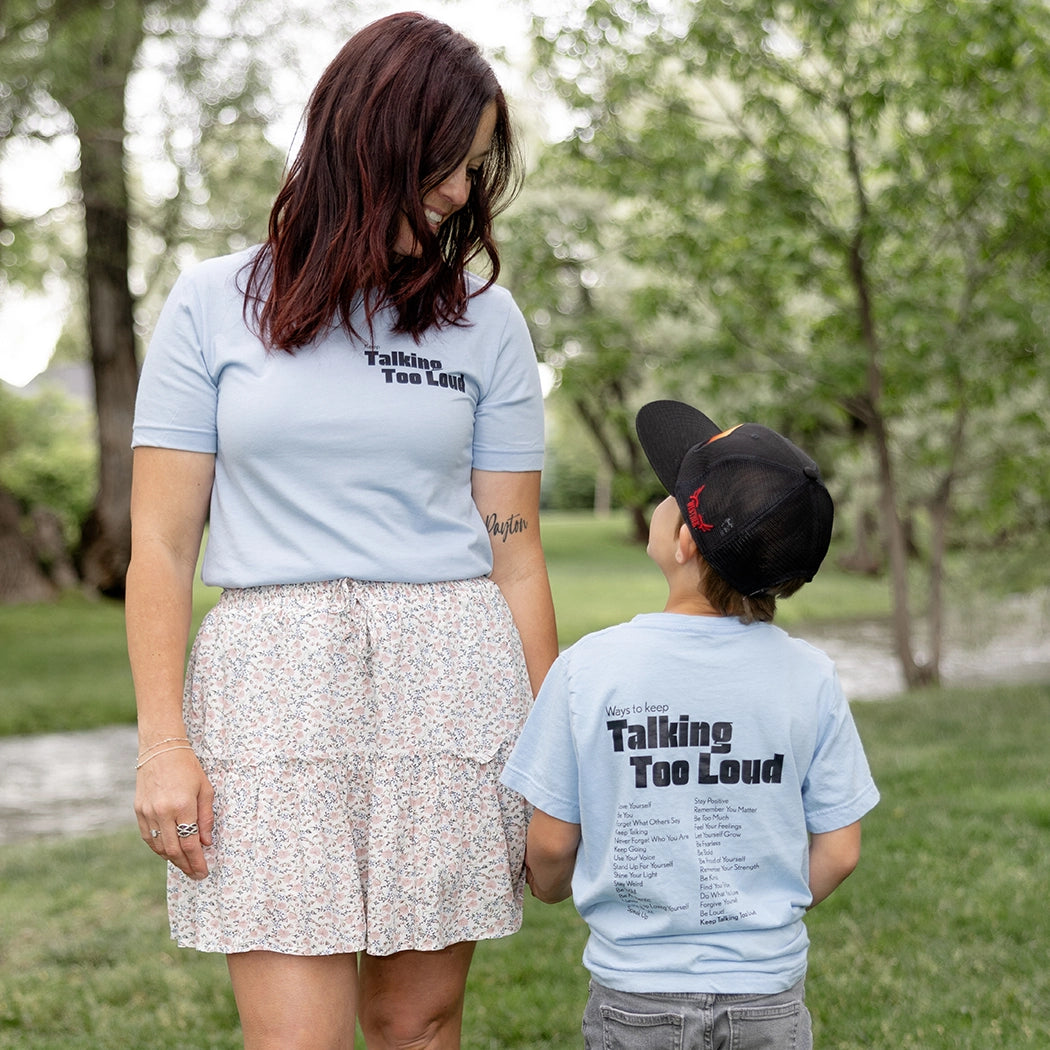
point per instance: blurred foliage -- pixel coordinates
(573, 473)
(199, 102)
(831, 218)
(47, 455)
(821, 216)
(693, 235)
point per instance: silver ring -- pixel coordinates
(154, 832)
(185, 830)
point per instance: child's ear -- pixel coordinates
(685, 551)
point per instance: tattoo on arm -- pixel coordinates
(504, 527)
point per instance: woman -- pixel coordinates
(361, 420)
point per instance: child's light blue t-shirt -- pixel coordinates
(697, 754)
(342, 460)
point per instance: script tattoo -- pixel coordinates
(509, 526)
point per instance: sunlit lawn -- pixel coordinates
(64, 664)
(939, 941)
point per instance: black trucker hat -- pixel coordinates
(754, 502)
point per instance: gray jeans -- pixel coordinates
(696, 1021)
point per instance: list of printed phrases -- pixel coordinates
(640, 854)
(718, 830)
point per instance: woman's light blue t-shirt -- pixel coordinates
(343, 459)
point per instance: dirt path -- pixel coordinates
(67, 783)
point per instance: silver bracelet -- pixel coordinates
(166, 740)
(181, 747)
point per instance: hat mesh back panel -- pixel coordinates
(764, 529)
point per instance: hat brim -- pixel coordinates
(667, 430)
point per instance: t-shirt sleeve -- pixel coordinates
(543, 766)
(177, 395)
(508, 421)
(838, 788)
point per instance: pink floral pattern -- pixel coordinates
(354, 734)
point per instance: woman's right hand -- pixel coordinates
(173, 794)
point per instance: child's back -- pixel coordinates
(697, 754)
(708, 770)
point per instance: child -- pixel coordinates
(697, 776)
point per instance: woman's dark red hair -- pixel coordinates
(391, 118)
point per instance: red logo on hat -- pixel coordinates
(696, 519)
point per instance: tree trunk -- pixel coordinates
(940, 514)
(98, 110)
(106, 538)
(915, 674)
(871, 409)
(867, 556)
(619, 449)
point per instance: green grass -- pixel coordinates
(941, 937)
(599, 577)
(939, 941)
(63, 664)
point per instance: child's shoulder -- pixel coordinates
(624, 641)
(802, 649)
(596, 644)
(663, 633)
(640, 624)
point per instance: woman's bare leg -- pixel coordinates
(295, 1002)
(414, 1000)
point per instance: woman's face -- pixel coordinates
(448, 197)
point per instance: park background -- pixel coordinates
(832, 218)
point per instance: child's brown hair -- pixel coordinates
(727, 600)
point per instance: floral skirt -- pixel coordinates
(354, 734)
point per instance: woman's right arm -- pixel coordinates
(170, 494)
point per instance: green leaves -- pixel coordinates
(835, 212)
(752, 156)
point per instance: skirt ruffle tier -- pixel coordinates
(354, 734)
